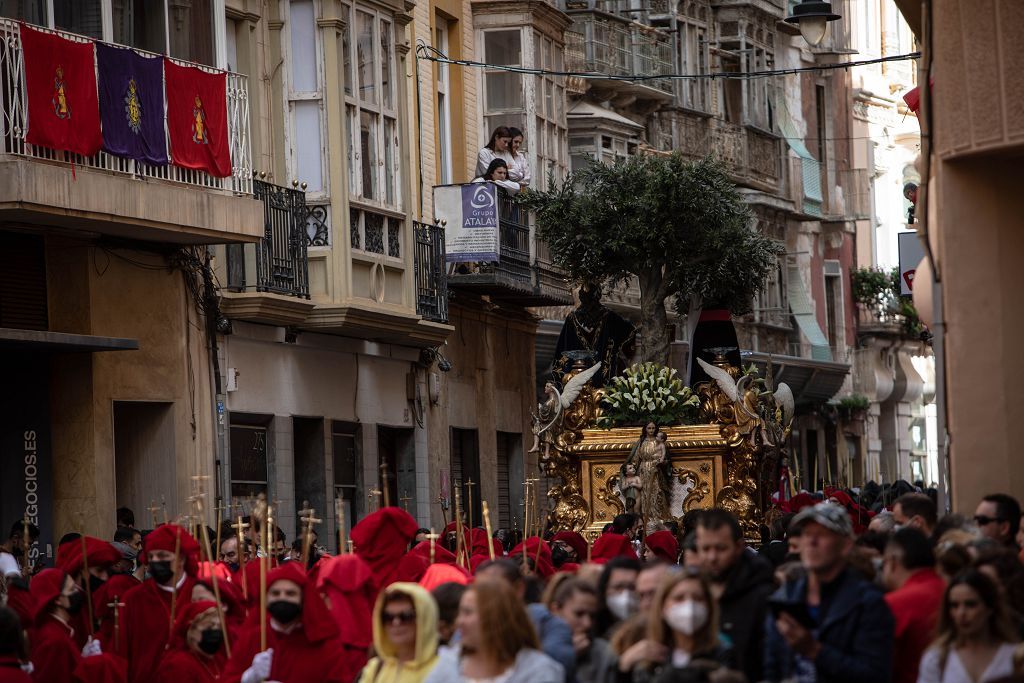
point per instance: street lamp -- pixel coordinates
(812, 16)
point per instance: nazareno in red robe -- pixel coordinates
(146, 626)
(55, 655)
(180, 664)
(311, 652)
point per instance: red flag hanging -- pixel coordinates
(60, 77)
(197, 119)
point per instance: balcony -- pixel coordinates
(847, 199)
(109, 195)
(750, 155)
(268, 282)
(605, 44)
(431, 279)
(524, 273)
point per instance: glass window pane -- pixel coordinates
(78, 16)
(303, 46)
(368, 153)
(365, 59)
(32, 11)
(231, 44)
(192, 30)
(346, 47)
(502, 47)
(390, 157)
(140, 23)
(504, 91)
(248, 454)
(308, 150)
(387, 66)
(352, 126)
(344, 459)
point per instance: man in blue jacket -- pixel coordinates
(832, 625)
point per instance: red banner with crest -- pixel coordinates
(197, 119)
(60, 78)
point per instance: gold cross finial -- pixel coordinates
(405, 501)
(153, 509)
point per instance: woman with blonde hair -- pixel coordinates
(975, 639)
(498, 642)
(682, 635)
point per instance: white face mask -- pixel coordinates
(622, 604)
(687, 617)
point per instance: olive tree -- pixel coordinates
(678, 226)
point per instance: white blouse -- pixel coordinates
(518, 166)
(932, 672)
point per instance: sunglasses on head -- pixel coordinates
(982, 520)
(405, 617)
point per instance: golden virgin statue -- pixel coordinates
(649, 459)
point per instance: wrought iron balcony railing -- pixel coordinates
(618, 47)
(14, 124)
(431, 278)
(524, 273)
(279, 262)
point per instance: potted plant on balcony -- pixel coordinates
(853, 410)
(878, 291)
(679, 227)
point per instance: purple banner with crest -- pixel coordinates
(132, 104)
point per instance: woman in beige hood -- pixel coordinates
(404, 636)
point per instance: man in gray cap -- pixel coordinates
(831, 625)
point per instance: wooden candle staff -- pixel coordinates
(487, 525)
(268, 522)
(240, 528)
(174, 581)
(116, 605)
(88, 583)
(384, 484)
(339, 516)
(307, 535)
(197, 501)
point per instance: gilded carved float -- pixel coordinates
(730, 462)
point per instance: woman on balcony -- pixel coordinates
(499, 147)
(519, 168)
(497, 173)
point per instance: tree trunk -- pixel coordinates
(653, 319)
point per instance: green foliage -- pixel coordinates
(879, 291)
(854, 403)
(681, 222)
(648, 392)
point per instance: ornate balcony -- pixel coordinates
(603, 43)
(751, 155)
(111, 195)
(268, 282)
(431, 278)
(523, 275)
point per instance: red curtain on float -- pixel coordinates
(60, 77)
(197, 119)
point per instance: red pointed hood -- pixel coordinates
(664, 546)
(349, 584)
(611, 545)
(98, 552)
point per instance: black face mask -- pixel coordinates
(210, 640)
(559, 556)
(161, 571)
(95, 583)
(76, 601)
(233, 567)
(284, 612)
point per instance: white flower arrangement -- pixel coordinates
(644, 392)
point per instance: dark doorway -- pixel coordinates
(26, 465)
(396, 455)
(510, 477)
(347, 458)
(144, 457)
(466, 471)
(310, 473)
(250, 448)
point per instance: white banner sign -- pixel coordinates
(911, 254)
(471, 212)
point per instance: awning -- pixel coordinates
(61, 342)
(806, 319)
(812, 381)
